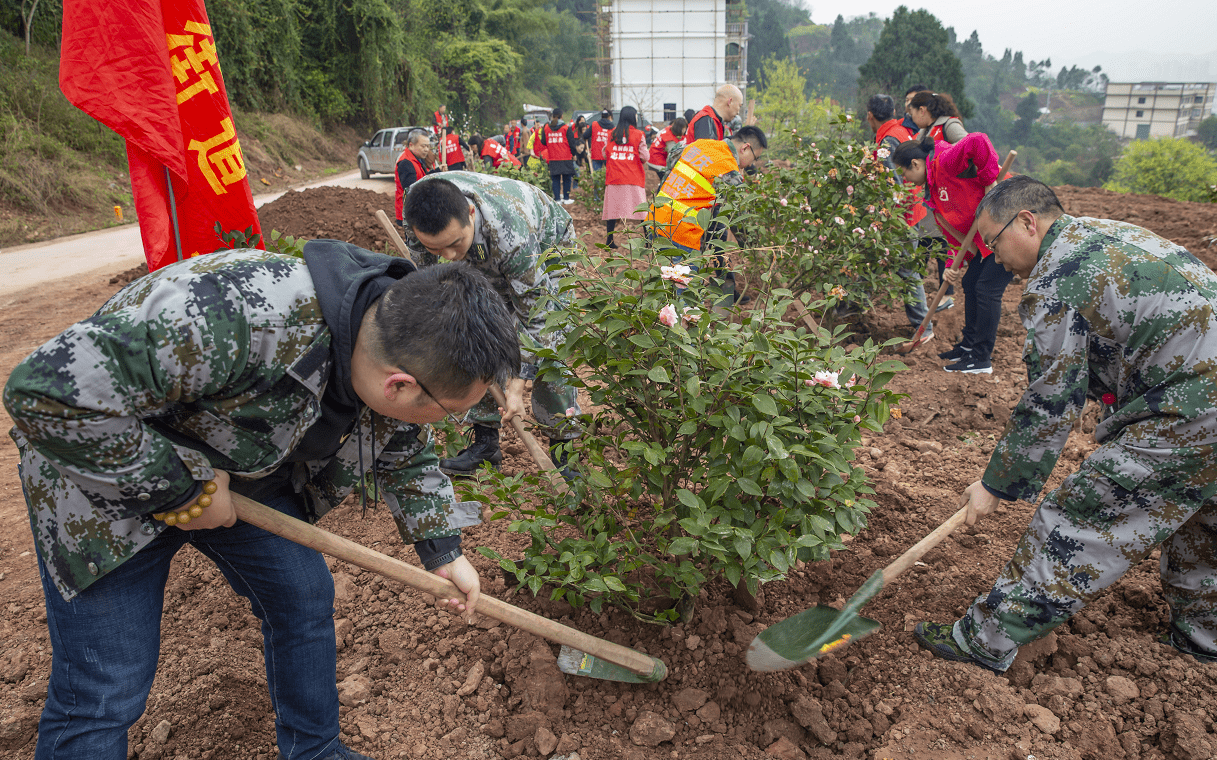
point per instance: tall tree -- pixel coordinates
(914, 48)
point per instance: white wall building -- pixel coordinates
(671, 55)
(1142, 110)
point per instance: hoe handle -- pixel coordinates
(919, 550)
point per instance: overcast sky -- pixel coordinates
(1133, 41)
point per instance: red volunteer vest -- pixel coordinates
(600, 138)
(418, 174)
(556, 146)
(955, 200)
(707, 112)
(894, 128)
(659, 148)
(452, 148)
(623, 164)
(498, 154)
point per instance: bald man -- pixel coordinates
(707, 124)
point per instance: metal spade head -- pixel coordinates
(814, 632)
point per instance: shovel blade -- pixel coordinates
(573, 662)
(814, 632)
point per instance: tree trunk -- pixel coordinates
(29, 21)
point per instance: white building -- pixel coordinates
(671, 55)
(1142, 110)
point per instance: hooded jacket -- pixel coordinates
(237, 360)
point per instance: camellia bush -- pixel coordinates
(533, 172)
(721, 443)
(833, 219)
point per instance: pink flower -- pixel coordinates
(870, 209)
(826, 379)
(838, 220)
(690, 316)
(857, 419)
(808, 383)
(678, 274)
(783, 201)
(667, 316)
(883, 153)
(849, 189)
(859, 230)
(570, 412)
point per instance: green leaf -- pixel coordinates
(693, 386)
(682, 545)
(743, 546)
(688, 498)
(732, 573)
(764, 404)
(750, 486)
(658, 375)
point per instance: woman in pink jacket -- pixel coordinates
(955, 178)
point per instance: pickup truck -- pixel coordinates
(379, 154)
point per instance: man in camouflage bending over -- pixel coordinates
(509, 230)
(289, 381)
(1116, 314)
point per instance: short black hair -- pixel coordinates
(915, 88)
(1018, 193)
(906, 151)
(446, 325)
(689, 114)
(751, 134)
(556, 113)
(881, 106)
(432, 204)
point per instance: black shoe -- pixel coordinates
(945, 304)
(970, 366)
(342, 753)
(1173, 637)
(955, 354)
(560, 455)
(485, 448)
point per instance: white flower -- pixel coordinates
(838, 220)
(883, 153)
(691, 316)
(678, 274)
(667, 315)
(826, 379)
(859, 230)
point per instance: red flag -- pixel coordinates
(148, 70)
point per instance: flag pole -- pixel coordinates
(177, 234)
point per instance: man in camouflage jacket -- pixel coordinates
(1116, 314)
(513, 232)
(286, 380)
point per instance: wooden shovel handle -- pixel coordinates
(539, 455)
(968, 245)
(348, 551)
(398, 243)
(919, 550)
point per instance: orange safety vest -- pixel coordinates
(688, 188)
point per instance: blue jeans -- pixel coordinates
(597, 165)
(561, 186)
(983, 286)
(106, 641)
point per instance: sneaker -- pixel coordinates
(955, 354)
(937, 638)
(485, 448)
(1173, 637)
(945, 304)
(567, 201)
(971, 366)
(343, 752)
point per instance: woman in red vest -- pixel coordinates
(936, 113)
(956, 178)
(624, 173)
(559, 154)
(492, 151)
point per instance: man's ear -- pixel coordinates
(396, 383)
(472, 211)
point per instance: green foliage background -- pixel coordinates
(1167, 166)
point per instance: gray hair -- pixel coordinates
(1018, 193)
(418, 135)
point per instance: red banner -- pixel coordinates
(148, 70)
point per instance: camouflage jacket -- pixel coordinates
(1114, 313)
(220, 361)
(518, 225)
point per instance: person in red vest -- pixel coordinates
(669, 136)
(597, 136)
(908, 122)
(559, 154)
(889, 133)
(624, 173)
(491, 152)
(511, 137)
(936, 114)
(412, 164)
(956, 178)
(709, 122)
(441, 120)
(453, 148)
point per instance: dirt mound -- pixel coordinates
(1191, 225)
(418, 683)
(335, 213)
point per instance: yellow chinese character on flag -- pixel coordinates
(220, 158)
(192, 63)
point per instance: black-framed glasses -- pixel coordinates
(990, 243)
(451, 417)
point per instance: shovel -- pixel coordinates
(582, 654)
(968, 244)
(820, 630)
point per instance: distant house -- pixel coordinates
(1142, 110)
(666, 56)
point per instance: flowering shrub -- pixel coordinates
(534, 172)
(719, 446)
(834, 219)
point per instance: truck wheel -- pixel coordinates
(363, 169)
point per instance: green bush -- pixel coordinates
(590, 191)
(720, 444)
(1166, 166)
(833, 220)
(534, 172)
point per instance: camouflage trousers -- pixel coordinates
(1109, 515)
(550, 403)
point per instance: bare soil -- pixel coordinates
(419, 683)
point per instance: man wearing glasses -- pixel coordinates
(1125, 318)
(290, 381)
(512, 232)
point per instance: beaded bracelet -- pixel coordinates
(195, 509)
